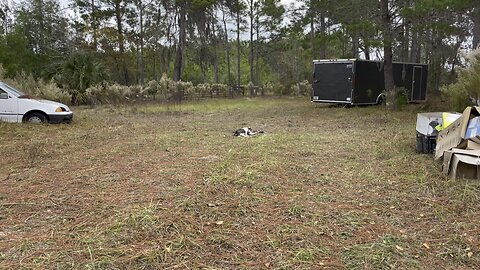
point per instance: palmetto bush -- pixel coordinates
(303, 88)
(79, 72)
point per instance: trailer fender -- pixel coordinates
(380, 99)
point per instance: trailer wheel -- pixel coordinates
(380, 100)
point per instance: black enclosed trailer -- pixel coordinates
(361, 82)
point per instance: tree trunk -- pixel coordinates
(179, 55)
(227, 48)
(141, 63)
(415, 48)
(406, 34)
(453, 75)
(436, 63)
(41, 28)
(405, 43)
(163, 60)
(238, 44)
(215, 53)
(366, 50)
(257, 53)
(154, 59)
(355, 45)
(388, 54)
(158, 49)
(94, 25)
(251, 60)
(323, 33)
(476, 27)
(312, 30)
(121, 45)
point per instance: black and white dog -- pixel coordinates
(245, 132)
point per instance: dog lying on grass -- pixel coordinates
(246, 132)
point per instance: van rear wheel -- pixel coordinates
(35, 118)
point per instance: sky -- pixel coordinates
(64, 3)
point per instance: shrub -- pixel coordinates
(303, 88)
(51, 91)
(268, 88)
(250, 87)
(466, 91)
(108, 94)
(116, 93)
(401, 98)
(135, 92)
(152, 89)
(203, 89)
(166, 86)
(27, 84)
(220, 89)
(180, 88)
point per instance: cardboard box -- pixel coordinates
(449, 118)
(473, 130)
(470, 145)
(454, 135)
(459, 163)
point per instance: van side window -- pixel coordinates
(3, 94)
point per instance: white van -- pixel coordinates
(17, 107)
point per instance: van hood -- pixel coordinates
(45, 101)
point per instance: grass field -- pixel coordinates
(169, 187)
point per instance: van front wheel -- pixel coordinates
(35, 118)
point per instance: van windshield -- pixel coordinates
(14, 91)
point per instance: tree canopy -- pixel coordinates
(231, 41)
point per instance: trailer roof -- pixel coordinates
(363, 60)
(328, 61)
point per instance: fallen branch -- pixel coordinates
(15, 204)
(28, 218)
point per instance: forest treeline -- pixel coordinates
(229, 42)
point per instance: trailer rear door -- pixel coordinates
(332, 82)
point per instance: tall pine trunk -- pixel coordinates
(179, 54)
(312, 30)
(323, 33)
(251, 60)
(121, 45)
(94, 25)
(388, 54)
(227, 48)
(406, 43)
(238, 45)
(476, 27)
(366, 49)
(355, 45)
(257, 53)
(414, 50)
(215, 53)
(141, 61)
